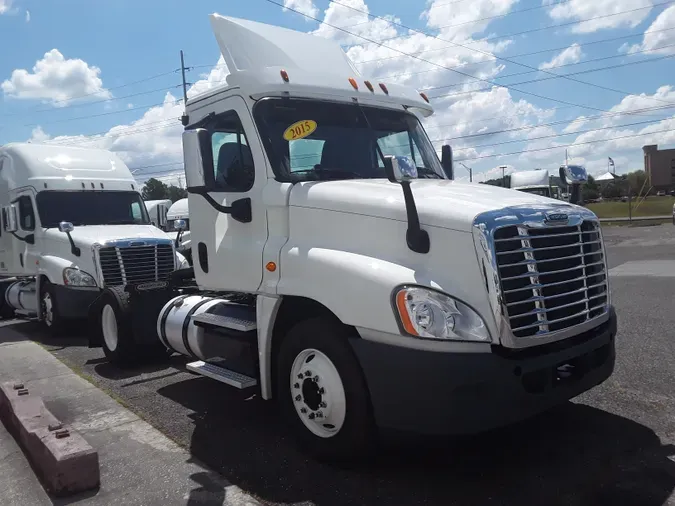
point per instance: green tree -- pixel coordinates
(175, 193)
(154, 189)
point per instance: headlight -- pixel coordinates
(73, 276)
(432, 315)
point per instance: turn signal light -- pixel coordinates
(271, 266)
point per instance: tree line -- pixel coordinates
(635, 182)
(155, 189)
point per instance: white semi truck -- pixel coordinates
(534, 181)
(157, 213)
(179, 212)
(340, 270)
(73, 223)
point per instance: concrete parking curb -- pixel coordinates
(61, 458)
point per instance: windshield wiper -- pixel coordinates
(119, 222)
(430, 173)
(319, 171)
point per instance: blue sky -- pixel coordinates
(90, 55)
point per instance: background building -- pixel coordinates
(660, 167)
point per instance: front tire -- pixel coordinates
(116, 332)
(322, 392)
(51, 318)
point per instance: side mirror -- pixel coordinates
(179, 225)
(162, 210)
(573, 174)
(11, 219)
(66, 227)
(446, 161)
(399, 168)
(198, 158)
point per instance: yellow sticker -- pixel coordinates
(300, 129)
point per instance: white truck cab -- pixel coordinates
(341, 270)
(73, 222)
(157, 213)
(179, 214)
(534, 181)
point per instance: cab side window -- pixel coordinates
(232, 158)
(26, 213)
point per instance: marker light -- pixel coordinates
(384, 88)
(369, 86)
(284, 75)
(352, 81)
(424, 96)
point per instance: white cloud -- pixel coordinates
(5, 5)
(354, 22)
(57, 80)
(458, 22)
(305, 6)
(569, 55)
(656, 36)
(609, 13)
(27, 16)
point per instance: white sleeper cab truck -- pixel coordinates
(340, 270)
(157, 212)
(534, 181)
(179, 214)
(73, 222)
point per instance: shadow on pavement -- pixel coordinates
(574, 455)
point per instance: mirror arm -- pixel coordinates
(73, 248)
(240, 209)
(417, 238)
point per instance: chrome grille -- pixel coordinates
(551, 278)
(135, 264)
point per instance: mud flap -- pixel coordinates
(94, 333)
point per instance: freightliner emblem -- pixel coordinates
(556, 218)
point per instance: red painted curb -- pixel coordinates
(62, 459)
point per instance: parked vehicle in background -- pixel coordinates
(534, 181)
(339, 267)
(661, 193)
(157, 211)
(73, 222)
(179, 213)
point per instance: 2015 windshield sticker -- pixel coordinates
(300, 129)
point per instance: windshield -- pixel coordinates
(544, 192)
(308, 140)
(91, 208)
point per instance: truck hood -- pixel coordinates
(88, 235)
(440, 203)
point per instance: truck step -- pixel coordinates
(25, 312)
(221, 374)
(228, 322)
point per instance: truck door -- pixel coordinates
(25, 249)
(227, 250)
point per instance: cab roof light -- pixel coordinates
(369, 86)
(384, 88)
(284, 75)
(424, 96)
(353, 82)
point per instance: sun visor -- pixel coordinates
(250, 46)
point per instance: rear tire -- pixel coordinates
(51, 318)
(328, 410)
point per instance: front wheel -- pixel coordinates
(51, 318)
(322, 392)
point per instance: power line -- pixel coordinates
(588, 71)
(565, 145)
(593, 60)
(551, 136)
(533, 30)
(442, 66)
(508, 60)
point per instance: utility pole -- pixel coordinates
(503, 167)
(184, 118)
(470, 171)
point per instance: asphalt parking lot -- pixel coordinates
(614, 445)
